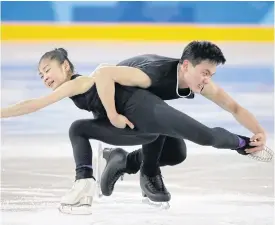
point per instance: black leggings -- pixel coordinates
(173, 152)
(154, 121)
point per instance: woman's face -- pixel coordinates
(53, 73)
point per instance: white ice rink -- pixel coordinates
(212, 187)
(206, 189)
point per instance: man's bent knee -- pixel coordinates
(174, 157)
(179, 158)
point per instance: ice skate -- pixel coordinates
(265, 155)
(115, 168)
(79, 199)
(154, 191)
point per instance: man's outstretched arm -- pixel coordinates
(217, 95)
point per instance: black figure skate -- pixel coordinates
(154, 190)
(115, 168)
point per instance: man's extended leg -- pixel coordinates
(162, 119)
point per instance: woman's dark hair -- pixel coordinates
(58, 54)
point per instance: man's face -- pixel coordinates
(198, 76)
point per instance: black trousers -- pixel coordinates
(158, 127)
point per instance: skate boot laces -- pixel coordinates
(160, 183)
(78, 185)
(156, 183)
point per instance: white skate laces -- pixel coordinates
(265, 155)
(79, 199)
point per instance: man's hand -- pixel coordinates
(258, 141)
(120, 121)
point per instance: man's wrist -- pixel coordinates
(261, 131)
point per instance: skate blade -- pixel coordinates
(76, 210)
(106, 152)
(161, 205)
(265, 155)
(98, 169)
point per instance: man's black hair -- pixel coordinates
(198, 51)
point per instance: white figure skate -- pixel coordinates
(79, 199)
